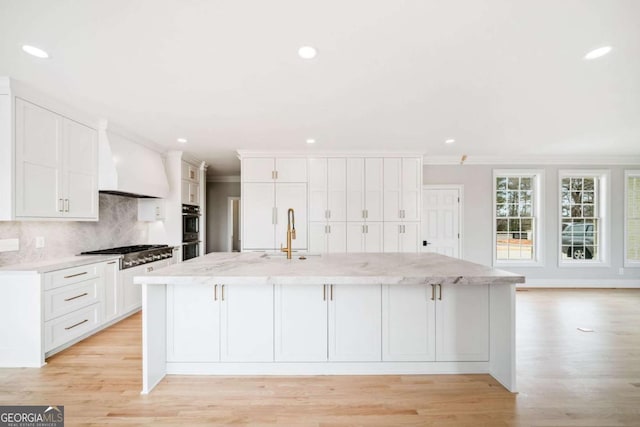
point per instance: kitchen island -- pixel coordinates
(331, 314)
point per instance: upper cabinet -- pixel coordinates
(327, 189)
(56, 166)
(364, 189)
(270, 169)
(402, 187)
(190, 184)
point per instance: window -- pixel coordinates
(632, 218)
(582, 217)
(517, 219)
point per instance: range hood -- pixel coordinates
(127, 167)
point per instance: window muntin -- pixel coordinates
(584, 227)
(632, 219)
(516, 207)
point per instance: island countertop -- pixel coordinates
(354, 268)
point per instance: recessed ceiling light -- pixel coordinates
(597, 53)
(37, 52)
(182, 140)
(450, 141)
(311, 141)
(307, 52)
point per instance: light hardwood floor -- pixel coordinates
(566, 378)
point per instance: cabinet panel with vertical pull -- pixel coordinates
(445, 323)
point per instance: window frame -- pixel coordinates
(628, 263)
(537, 176)
(604, 216)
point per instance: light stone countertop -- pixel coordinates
(39, 267)
(361, 268)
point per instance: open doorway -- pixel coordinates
(233, 224)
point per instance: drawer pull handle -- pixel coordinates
(75, 275)
(77, 324)
(77, 296)
(112, 262)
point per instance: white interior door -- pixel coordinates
(441, 210)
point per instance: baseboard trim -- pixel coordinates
(581, 283)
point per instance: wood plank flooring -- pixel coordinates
(566, 378)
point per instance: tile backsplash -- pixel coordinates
(118, 226)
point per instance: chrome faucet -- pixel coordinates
(291, 232)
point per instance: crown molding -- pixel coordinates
(532, 160)
(311, 154)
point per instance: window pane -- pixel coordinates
(501, 197)
(589, 184)
(525, 183)
(514, 183)
(588, 211)
(501, 183)
(501, 210)
(632, 227)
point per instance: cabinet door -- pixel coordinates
(392, 232)
(355, 189)
(291, 169)
(246, 330)
(373, 238)
(258, 216)
(190, 172)
(355, 237)
(80, 170)
(337, 189)
(318, 237)
(318, 189)
(392, 189)
(294, 196)
(410, 237)
(184, 192)
(194, 193)
(112, 290)
(355, 323)
(193, 323)
(374, 194)
(39, 191)
(408, 323)
(337, 237)
(462, 323)
(301, 323)
(411, 188)
(258, 169)
(131, 292)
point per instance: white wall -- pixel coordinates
(478, 223)
(217, 193)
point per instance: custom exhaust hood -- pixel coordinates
(129, 168)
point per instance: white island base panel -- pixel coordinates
(500, 364)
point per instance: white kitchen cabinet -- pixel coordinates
(328, 237)
(301, 323)
(190, 172)
(246, 325)
(402, 187)
(462, 323)
(364, 237)
(365, 189)
(327, 189)
(56, 165)
(264, 211)
(193, 323)
(402, 236)
(112, 290)
(445, 323)
(270, 169)
(132, 293)
(355, 323)
(408, 323)
(190, 193)
(151, 209)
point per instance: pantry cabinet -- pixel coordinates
(402, 188)
(364, 237)
(272, 169)
(401, 236)
(365, 189)
(56, 165)
(328, 237)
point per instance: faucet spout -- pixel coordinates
(291, 232)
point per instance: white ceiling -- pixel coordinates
(502, 77)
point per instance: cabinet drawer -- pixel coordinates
(69, 276)
(68, 298)
(65, 328)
